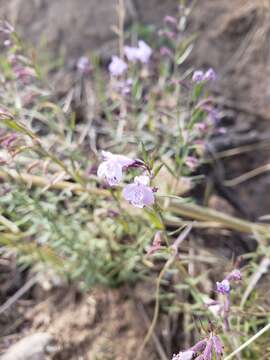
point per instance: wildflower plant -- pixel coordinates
(90, 178)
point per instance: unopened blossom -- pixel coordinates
(139, 193)
(197, 76)
(117, 66)
(170, 20)
(207, 354)
(165, 51)
(141, 53)
(235, 275)
(218, 347)
(186, 355)
(111, 169)
(209, 75)
(156, 245)
(223, 287)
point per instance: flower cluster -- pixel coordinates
(224, 288)
(199, 76)
(203, 350)
(139, 193)
(142, 53)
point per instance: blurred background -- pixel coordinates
(233, 38)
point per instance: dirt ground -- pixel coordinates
(234, 39)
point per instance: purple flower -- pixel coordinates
(235, 275)
(198, 76)
(210, 75)
(199, 346)
(186, 355)
(218, 347)
(131, 53)
(141, 53)
(111, 168)
(7, 43)
(170, 20)
(139, 194)
(111, 171)
(223, 287)
(207, 354)
(117, 66)
(83, 65)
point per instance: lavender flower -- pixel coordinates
(7, 43)
(111, 168)
(235, 275)
(141, 53)
(131, 53)
(203, 349)
(223, 287)
(207, 354)
(139, 194)
(210, 75)
(198, 76)
(186, 355)
(218, 347)
(83, 65)
(170, 20)
(117, 66)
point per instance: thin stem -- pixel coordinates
(192, 211)
(248, 342)
(156, 310)
(167, 265)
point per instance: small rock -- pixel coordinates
(31, 347)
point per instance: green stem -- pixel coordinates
(248, 342)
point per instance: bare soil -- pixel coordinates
(234, 38)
